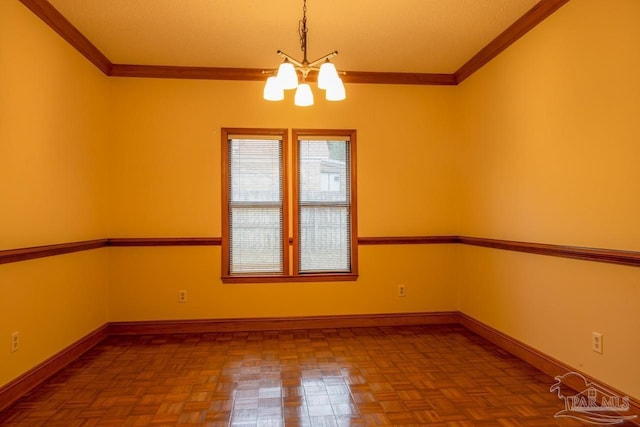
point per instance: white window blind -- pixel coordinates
(324, 195)
(255, 205)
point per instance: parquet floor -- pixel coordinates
(403, 376)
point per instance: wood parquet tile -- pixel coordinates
(438, 376)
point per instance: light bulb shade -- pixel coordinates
(336, 91)
(304, 96)
(287, 76)
(272, 90)
(327, 75)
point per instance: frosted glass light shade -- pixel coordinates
(336, 91)
(272, 90)
(304, 96)
(287, 75)
(327, 75)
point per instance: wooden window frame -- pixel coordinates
(295, 202)
(283, 136)
(289, 206)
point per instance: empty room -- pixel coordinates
(428, 217)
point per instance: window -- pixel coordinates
(256, 214)
(254, 202)
(322, 208)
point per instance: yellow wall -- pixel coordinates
(549, 153)
(53, 129)
(166, 182)
(145, 284)
(166, 143)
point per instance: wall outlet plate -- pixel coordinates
(15, 341)
(596, 342)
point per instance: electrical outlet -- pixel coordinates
(596, 342)
(402, 291)
(15, 341)
(182, 296)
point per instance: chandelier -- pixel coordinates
(286, 76)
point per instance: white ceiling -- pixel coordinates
(411, 36)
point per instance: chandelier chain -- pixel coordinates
(302, 30)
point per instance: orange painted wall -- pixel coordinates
(53, 181)
(166, 182)
(549, 153)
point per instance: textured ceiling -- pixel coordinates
(411, 36)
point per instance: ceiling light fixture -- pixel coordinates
(286, 76)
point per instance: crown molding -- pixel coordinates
(399, 78)
(58, 23)
(256, 74)
(523, 25)
(54, 19)
(195, 73)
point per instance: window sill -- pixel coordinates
(329, 277)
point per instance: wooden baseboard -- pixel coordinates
(537, 359)
(14, 390)
(281, 323)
